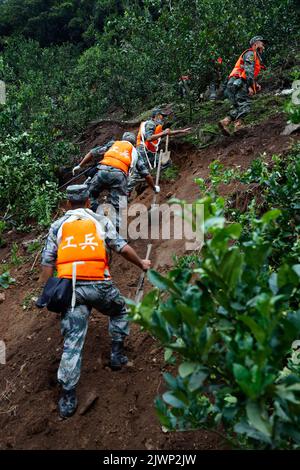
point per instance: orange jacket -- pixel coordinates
(153, 145)
(239, 70)
(80, 242)
(119, 156)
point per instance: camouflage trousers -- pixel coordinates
(106, 298)
(135, 176)
(115, 181)
(237, 92)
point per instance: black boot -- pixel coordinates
(68, 403)
(117, 357)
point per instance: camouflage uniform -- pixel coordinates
(137, 174)
(101, 295)
(114, 180)
(237, 89)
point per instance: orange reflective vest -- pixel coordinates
(239, 68)
(153, 145)
(81, 245)
(119, 156)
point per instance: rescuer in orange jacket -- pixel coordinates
(119, 160)
(242, 83)
(147, 144)
(77, 246)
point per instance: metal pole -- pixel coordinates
(74, 178)
(140, 286)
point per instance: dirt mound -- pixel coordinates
(123, 416)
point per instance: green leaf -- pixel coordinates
(189, 316)
(257, 331)
(196, 380)
(186, 368)
(240, 372)
(168, 354)
(296, 268)
(287, 275)
(170, 399)
(234, 231)
(170, 380)
(254, 414)
(231, 267)
(273, 283)
(244, 428)
(214, 222)
(172, 317)
(231, 399)
(270, 215)
(161, 282)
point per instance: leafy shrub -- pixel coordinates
(16, 260)
(231, 319)
(293, 111)
(170, 174)
(6, 280)
(277, 184)
(24, 172)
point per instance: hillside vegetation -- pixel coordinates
(219, 323)
(67, 63)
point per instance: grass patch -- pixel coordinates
(170, 174)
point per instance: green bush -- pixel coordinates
(24, 179)
(231, 319)
(6, 280)
(293, 111)
(276, 186)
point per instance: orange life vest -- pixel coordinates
(239, 68)
(119, 155)
(80, 243)
(153, 145)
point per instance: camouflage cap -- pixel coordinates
(257, 38)
(77, 192)
(157, 111)
(130, 137)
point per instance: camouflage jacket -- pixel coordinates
(249, 63)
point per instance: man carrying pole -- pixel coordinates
(148, 140)
(78, 244)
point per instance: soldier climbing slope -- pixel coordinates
(148, 139)
(119, 159)
(78, 243)
(242, 83)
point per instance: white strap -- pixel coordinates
(81, 214)
(142, 134)
(74, 269)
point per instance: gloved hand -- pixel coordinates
(156, 189)
(75, 169)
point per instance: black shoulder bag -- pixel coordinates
(56, 295)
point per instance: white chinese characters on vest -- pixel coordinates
(88, 242)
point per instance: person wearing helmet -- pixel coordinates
(78, 247)
(118, 159)
(148, 140)
(242, 83)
